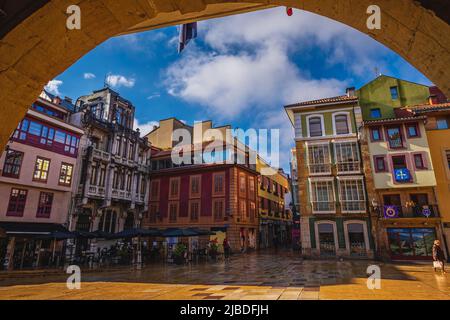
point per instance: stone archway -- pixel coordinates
(39, 46)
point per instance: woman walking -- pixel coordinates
(226, 249)
(438, 256)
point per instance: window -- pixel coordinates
(242, 185)
(352, 195)
(319, 161)
(195, 188)
(154, 190)
(108, 222)
(173, 211)
(399, 162)
(442, 123)
(45, 205)
(242, 210)
(174, 190)
(322, 196)
(376, 134)
(413, 130)
(252, 210)
(22, 129)
(380, 164)
(218, 184)
(17, 200)
(347, 156)
(251, 188)
(394, 137)
(65, 174)
(341, 124)
(13, 162)
(394, 92)
(35, 128)
(154, 212)
(41, 169)
(194, 210)
(315, 127)
(375, 113)
(218, 209)
(419, 161)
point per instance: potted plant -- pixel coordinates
(178, 253)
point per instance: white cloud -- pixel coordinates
(53, 86)
(144, 127)
(89, 75)
(246, 68)
(154, 96)
(117, 80)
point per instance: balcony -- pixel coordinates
(319, 169)
(426, 211)
(140, 198)
(348, 167)
(101, 155)
(323, 207)
(356, 206)
(121, 194)
(96, 191)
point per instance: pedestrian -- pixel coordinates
(438, 256)
(226, 249)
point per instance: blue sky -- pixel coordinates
(240, 70)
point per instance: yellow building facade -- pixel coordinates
(438, 134)
(275, 222)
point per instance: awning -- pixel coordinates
(31, 229)
(176, 232)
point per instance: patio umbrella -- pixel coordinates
(202, 232)
(101, 234)
(176, 232)
(56, 235)
(84, 234)
(136, 232)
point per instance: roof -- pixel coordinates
(63, 102)
(337, 99)
(393, 120)
(425, 108)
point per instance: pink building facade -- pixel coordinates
(37, 173)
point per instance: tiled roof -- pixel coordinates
(389, 120)
(337, 99)
(429, 107)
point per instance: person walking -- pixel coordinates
(438, 256)
(226, 249)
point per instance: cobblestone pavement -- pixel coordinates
(248, 277)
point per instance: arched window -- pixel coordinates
(315, 127)
(341, 124)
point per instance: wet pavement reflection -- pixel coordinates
(255, 276)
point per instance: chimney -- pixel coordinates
(350, 92)
(56, 100)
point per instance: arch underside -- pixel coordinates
(40, 47)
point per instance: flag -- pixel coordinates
(188, 31)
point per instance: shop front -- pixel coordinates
(411, 243)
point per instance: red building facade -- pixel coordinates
(215, 197)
